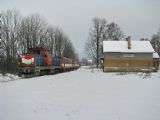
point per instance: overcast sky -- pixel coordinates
(137, 18)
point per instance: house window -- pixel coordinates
(128, 55)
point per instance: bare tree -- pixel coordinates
(10, 26)
(113, 32)
(50, 40)
(101, 31)
(32, 31)
(155, 41)
(59, 42)
(95, 37)
(91, 48)
(68, 49)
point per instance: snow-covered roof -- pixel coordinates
(155, 55)
(122, 46)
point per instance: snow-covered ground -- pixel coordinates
(82, 95)
(8, 77)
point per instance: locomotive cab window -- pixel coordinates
(38, 52)
(45, 55)
(30, 51)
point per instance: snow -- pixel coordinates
(155, 55)
(82, 95)
(122, 46)
(7, 78)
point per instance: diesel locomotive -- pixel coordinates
(38, 61)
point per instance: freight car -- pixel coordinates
(38, 61)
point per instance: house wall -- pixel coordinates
(155, 64)
(127, 62)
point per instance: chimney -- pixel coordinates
(129, 42)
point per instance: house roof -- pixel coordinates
(122, 46)
(155, 55)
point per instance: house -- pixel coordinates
(127, 56)
(155, 62)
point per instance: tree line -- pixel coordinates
(103, 31)
(20, 33)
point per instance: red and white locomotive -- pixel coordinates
(39, 62)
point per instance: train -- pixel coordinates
(38, 61)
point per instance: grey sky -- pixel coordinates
(138, 18)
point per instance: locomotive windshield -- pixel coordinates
(34, 52)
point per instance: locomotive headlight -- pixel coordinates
(32, 60)
(28, 61)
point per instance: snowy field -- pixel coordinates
(81, 95)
